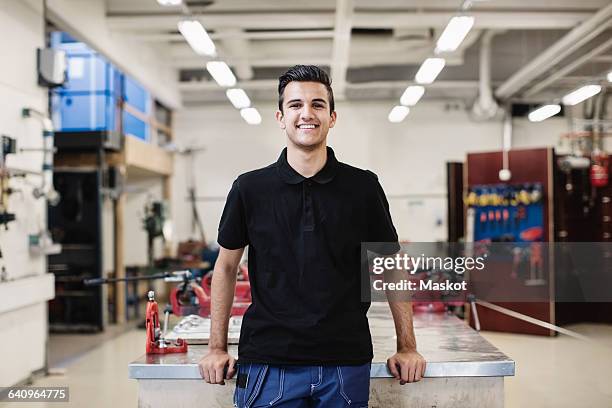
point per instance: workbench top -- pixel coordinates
(450, 346)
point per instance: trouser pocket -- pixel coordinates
(355, 384)
(249, 380)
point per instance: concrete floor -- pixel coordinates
(99, 378)
(550, 372)
(65, 348)
(559, 372)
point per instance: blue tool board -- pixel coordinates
(517, 222)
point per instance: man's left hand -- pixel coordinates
(407, 366)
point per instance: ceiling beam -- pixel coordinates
(252, 85)
(363, 52)
(569, 68)
(403, 84)
(363, 19)
(255, 62)
(554, 54)
(151, 6)
(249, 35)
(483, 19)
(236, 45)
(215, 21)
(362, 61)
(603, 58)
(341, 46)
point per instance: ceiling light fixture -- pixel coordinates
(251, 116)
(544, 112)
(412, 95)
(221, 73)
(170, 2)
(454, 33)
(238, 98)
(197, 37)
(398, 113)
(429, 70)
(581, 94)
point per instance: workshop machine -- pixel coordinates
(157, 224)
(190, 299)
(192, 295)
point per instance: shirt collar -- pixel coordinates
(290, 176)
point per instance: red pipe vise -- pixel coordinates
(156, 344)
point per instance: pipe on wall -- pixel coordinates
(485, 107)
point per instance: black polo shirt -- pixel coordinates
(304, 237)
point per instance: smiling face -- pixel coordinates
(306, 116)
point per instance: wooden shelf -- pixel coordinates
(142, 159)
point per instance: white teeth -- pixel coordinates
(306, 126)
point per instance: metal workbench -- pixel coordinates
(460, 362)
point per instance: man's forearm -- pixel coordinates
(401, 309)
(222, 297)
(404, 329)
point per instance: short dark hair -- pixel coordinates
(305, 73)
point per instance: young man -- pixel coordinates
(305, 340)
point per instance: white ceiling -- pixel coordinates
(371, 48)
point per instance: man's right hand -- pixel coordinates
(212, 367)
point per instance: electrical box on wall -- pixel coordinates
(52, 67)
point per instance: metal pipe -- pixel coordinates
(573, 40)
(507, 132)
(588, 57)
(46, 189)
(485, 106)
(486, 95)
(505, 174)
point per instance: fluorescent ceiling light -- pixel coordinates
(170, 2)
(454, 33)
(544, 112)
(398, 113)
(411, 95)
(238, 98)
(251, 115)
(429, 70)
(581, 94)
(197, 37)
(221, 73)
(609, 76)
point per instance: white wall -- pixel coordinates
(409, 157)
(528, 134)
(24, 326)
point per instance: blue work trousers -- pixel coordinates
(262, 385)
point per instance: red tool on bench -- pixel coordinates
(156, 344)
(190, 297)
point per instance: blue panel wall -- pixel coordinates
(94, 90)
(136, 96)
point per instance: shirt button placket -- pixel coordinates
(308, 211)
